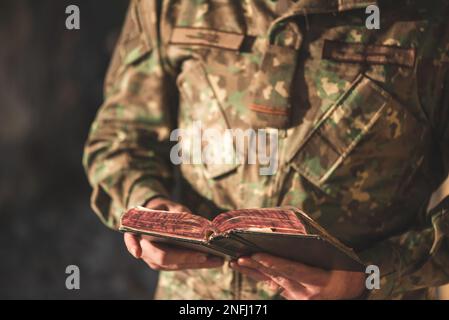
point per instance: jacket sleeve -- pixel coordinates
(419, 258)
(126, 155)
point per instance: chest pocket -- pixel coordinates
(363, 147)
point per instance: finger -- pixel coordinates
(293, 270)
(279, 279)
(292, 289)
(344, 284)
(161, 203)
(153, 265)
(165, 255)
(293, 296)
(255, 275)
(133, 245)
(248, 263)
(252, 273)
(287, 295)
(158, 203)
(213, 262)
(176, 207)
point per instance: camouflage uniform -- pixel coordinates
(363, 120)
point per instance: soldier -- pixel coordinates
(362, 118)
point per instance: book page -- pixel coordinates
(179, 224)
(261, 220)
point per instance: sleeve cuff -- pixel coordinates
(144, 191)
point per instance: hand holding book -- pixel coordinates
(163, 257)
(242, 235)
(285, 232)
(296, 281)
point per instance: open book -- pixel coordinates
(284, 232)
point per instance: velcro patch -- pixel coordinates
(206, 37)
(367, 53)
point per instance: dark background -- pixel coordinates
(50, 89)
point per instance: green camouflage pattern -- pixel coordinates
(363, 133)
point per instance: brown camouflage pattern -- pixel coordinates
(363, 129)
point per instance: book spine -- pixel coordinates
(209, 232)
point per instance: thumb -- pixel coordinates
(133, 245)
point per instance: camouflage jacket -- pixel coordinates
(362, 118)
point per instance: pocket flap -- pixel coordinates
(340, 130)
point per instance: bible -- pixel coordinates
(284, 232)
